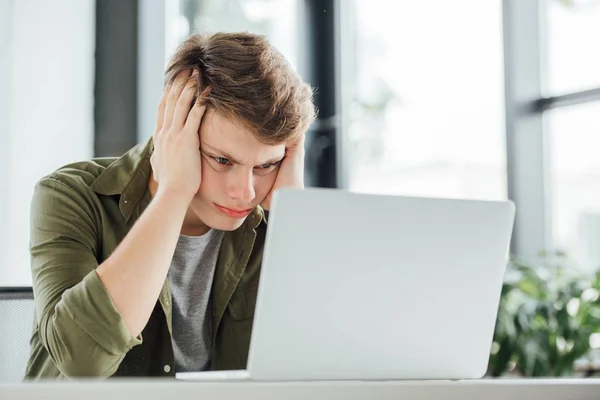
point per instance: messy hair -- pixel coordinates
(250, 81)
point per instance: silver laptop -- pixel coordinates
(373, 287)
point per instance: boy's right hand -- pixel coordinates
(176, 162)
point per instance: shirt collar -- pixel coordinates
(128, 177)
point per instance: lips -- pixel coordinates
(232, 212)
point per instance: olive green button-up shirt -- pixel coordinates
(79, 214)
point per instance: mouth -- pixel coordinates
(232, 212)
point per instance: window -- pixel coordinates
(552, 134)
(573, 32)
(427, 111)
(573, 128)
(276, 19)
(575, 171)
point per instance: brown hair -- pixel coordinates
(250, 81)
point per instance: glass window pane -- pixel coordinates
(277, 19)
(573, 32)
(427, 116)
(575, 178)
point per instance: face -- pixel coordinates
(238, 172)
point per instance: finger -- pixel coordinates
(153, 166)
(173, 96)
(197, 112)
(160, 113)
(297, 143)
(205, 92)
(185, 101)
(301, 139)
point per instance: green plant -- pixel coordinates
(548, 312)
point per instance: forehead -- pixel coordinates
(234, 138)
(216, 126)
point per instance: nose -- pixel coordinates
(241, 185)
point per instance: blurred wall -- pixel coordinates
(47, 81)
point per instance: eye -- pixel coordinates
(267, 166)
(266, 169)
(222, 160)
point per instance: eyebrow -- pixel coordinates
(232, 159)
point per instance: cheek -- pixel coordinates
(211, 179)
(263, 185)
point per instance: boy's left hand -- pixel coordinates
(291, 171)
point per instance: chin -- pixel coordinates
(224, 223)
(214, 219)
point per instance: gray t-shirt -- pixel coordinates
(190, 277)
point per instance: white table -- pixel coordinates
(546, 389)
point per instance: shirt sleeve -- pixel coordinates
(78, 323)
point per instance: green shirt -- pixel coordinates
(79, 214)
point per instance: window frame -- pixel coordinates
(527, 137)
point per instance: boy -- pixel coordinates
(148, 264)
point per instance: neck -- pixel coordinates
(192, 225)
